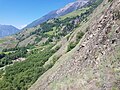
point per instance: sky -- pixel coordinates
(19, 13)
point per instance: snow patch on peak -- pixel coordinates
(65, 8)
(75, 5)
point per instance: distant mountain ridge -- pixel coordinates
(6, 30)
(60, 12)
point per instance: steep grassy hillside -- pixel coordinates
(94, 64)
(8, 42)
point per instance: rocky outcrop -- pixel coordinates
(94, 64)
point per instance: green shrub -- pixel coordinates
(38, 39)
(117, 14)
(51, 64)
(68, 37)
(2, 55)
(71, 46)
(1, 73)
(57, 47)
(79, 36)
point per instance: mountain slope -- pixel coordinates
(52, 29)
(81, 53)
(94, 63)
(60, 12)
(6, 30)
(37, 49)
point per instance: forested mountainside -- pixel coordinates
(52, 30)
(78, 51)
(61, 12)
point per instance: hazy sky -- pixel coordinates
(21, 12)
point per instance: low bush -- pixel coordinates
(71, 46)
(79, 36)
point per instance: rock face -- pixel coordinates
(94, 64)
(60, 12)
(6, 30)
